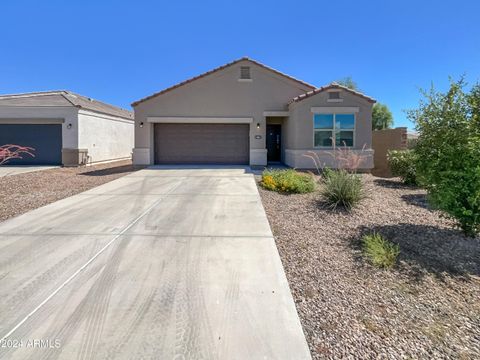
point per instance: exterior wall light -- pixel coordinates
(258, 125)
(69, 126)
(141, 124)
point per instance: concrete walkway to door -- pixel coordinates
(167, 262)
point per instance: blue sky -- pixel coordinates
(120, 51)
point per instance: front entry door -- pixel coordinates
(274, 141)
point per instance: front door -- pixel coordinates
(274, 141)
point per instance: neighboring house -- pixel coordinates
(65, 128)
(247, 113)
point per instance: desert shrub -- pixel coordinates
(342, 158)
(448, 152)
(379, 251)
(403, 164)
(288, 181)
(341, 188)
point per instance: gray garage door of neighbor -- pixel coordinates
(202, 143)
(46, 139)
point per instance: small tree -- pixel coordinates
(382, 117)
(348, 82)
(448, 152)
(10, 152)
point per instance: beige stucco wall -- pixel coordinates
(301, 135)
(106, 137)
(325, 158)
(219, 95)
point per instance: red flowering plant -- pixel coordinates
(9, 152)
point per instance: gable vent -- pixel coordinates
(333, 95)
(245, 72)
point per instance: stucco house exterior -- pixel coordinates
(245, 112)
(65, 128)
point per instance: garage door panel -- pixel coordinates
(46, 139)
(202, 143)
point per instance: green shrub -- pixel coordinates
(341, 188)
(287, 181)
(403, 164)
(411, 143)
(379, 251)
(448, 152)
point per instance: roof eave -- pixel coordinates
(105, 113)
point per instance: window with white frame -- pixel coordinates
(333, 127)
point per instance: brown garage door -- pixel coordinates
(201, 143)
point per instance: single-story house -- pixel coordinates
(65, 128)
(245, 112)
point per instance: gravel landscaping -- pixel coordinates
(427, 306)
(24, 192)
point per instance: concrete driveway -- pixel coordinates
(163, 263)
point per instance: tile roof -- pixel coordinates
(332, 85)
(63, 98)
(218, 69)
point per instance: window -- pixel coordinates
(323, 126)
(245, 72)
(327, 127)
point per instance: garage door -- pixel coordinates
(46, 139)
(201, 143)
